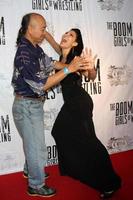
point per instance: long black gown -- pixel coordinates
(80, 153)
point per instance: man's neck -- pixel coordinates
(31, 40)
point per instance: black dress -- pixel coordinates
(80, 153)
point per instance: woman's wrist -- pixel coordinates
(66, 71)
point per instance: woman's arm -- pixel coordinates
(57, 65)
(52, 42)
(90, 74)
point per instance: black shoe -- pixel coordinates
(106, 195)
(109, 194)
(25, 175)
(44, 191)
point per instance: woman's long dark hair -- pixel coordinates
(23, 28)
(77, 50)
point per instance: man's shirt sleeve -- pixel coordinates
(34, 71)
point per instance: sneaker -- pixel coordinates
(44, 191)
(25, 175)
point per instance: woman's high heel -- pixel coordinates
(106, 195)
(109, 194)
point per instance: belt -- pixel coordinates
(19, 96)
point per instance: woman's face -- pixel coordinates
(68, 40)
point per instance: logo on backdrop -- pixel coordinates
(8, 161)
(2, 31)
(66, 5)
(119, 144)
(54, 91)
(119, 75)
(93, 87)
(5, 134)
(52, 155)
(123, 112)
(122, 33)
(111, 4)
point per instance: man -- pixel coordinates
(31, 80)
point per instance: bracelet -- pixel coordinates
(66, 70)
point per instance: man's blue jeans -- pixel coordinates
(29, 120)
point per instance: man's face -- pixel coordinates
(37, 28)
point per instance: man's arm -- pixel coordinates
(59, 65)
(76, 64)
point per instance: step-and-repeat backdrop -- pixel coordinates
(107, 28)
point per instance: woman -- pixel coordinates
(80, 153)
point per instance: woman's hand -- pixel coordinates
(78, 64)
(91, 71)
(89, 57)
